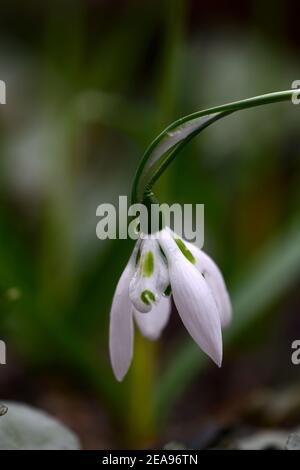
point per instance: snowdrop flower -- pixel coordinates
(161, 267)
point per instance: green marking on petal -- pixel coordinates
(146, 296)
(184, 250)
(148, 264)
(168, 291)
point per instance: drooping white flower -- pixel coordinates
(159, 266)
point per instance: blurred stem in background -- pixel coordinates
(143, 377)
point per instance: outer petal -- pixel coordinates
(151, 324)
(194, 300)
(215, 280)
(121, 330)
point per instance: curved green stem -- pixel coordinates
(162, 151)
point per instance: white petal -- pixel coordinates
(215, 280)
(151, 324)
(194, 300)
(121, 324)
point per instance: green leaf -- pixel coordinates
(26, 428)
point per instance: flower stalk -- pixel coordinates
(167, 145)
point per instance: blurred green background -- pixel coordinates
(89, 84)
